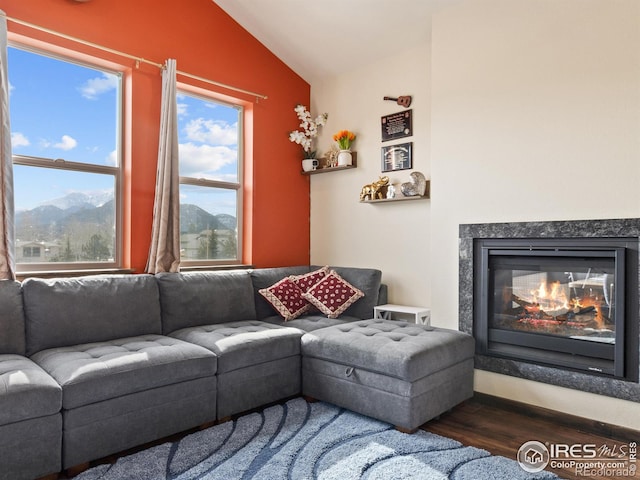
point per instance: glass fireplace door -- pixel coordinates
(560, 295)
(561, 307)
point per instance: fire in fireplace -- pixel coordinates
(557, 302)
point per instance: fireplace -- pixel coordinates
(555, 302)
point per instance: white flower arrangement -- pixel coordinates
(310, 129)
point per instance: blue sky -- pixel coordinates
(69, 111)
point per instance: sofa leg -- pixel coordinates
(77, 469)
(406, 430)
(52, 476)
(309, 399)
(224, 419)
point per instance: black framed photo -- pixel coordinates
(397, 125)
(397, 157)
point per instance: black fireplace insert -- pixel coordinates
(566, 303)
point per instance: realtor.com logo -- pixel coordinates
(585, 460)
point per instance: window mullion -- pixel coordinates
(203, 182)
(62, 164)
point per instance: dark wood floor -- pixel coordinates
(501, 427)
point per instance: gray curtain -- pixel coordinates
(164, 254)
(7, 261)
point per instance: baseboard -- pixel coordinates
(559, 418)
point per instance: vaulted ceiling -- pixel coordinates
(318, 38)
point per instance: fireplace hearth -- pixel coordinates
(555, 302)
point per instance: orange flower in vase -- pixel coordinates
(344, 138)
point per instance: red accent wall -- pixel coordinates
(206, 42)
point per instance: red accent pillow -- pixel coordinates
(308, 280)
(333, 295)
(286, 297)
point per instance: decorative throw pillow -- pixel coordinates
(333, 295)
(286, 297)
(308, 280)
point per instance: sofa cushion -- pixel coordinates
(26, 390)
(286, 298)
(310, 322)
(368, 280)
(12, 335)
(243, 344)
(93, 372)
(264, 278)
(70, 311)
(333, 295)
(203, 298)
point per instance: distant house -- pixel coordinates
(34, 252)
(196, 245)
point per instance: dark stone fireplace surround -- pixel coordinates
(554, 229)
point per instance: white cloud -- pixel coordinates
(99, 85)
(182, 109)
(212, 132)
(67, 143)
(19, 140)
(200, 161)
(112, 159)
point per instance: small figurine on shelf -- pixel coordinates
(416, 187)
(391, 192)
(332, 157)
(375, 190)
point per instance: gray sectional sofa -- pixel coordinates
(91, 366)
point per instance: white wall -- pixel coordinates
(393, 237)
(535, 116)
(523, 110)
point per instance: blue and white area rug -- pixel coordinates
(304, 441)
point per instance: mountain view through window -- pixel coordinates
(65, 123)
(209, 134)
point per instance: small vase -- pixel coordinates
(309, 164)
(344, 158)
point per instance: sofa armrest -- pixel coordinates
(383, 294)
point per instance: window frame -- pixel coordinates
(73, 166)
(209, 96)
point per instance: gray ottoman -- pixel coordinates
(401, 373)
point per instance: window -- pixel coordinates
(209, 134)
(31, 251)
(65, 133)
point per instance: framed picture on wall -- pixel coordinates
(397, 157)
(397, 125)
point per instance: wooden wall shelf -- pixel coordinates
(354, 164)
(396, 199)
(327, 170)
(402, 198)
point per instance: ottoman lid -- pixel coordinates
(399, 349)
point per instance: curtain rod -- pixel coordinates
(132, 57)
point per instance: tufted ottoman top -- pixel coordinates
(399, 349)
